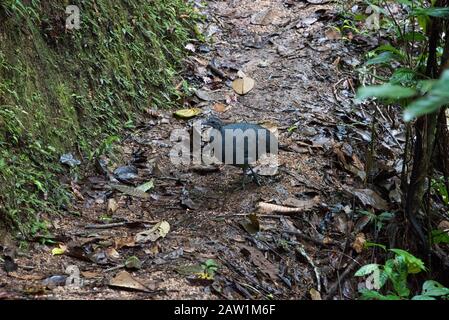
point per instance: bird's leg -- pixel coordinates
(254, 176)
(243, 178)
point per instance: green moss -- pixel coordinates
(73, 91)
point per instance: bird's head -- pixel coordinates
(214, 123)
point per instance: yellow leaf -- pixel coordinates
(243, 86)
(163, 228)
(188, 113)
(59, 251)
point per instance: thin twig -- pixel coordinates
(303, 252)
(333, 288)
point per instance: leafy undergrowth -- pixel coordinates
(67, 90)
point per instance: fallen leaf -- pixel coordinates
(133, 263)
(359, 242)
(314, 294)
(190, 47)
(370, 198)
(112, 254)
(112, 206)
(91, 274)
(160, 230)
(332, 34)
(264, 17)
(252, 225)
(187, 113)
(243, 86)
(302, 204)
(260, 261)
(28, 277)
(444, 226)
(241, 74)
(220, 107)
(60, 250)
(125, 242)
(124, 280)
(146, 186)
(204, 95)
(131, 191)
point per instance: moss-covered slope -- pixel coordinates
(71, 90)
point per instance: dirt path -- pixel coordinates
(285, 50)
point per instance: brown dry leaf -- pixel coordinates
(112, 206)
(112, 254)
(28, 277)
(90, 274)
(370, 198)
(220, 107)
(153, 113)
(359, 242)
(302, 204)
(243, 86)
(444, 226)
(123, 280)
(357, 163)
(332, 34)
(125, 242)
(264, 17)
(260, 261)
(76, 190)
(252, 226)
(314, 294)
(160, 230)
(362, 223)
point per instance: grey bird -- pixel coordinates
(237, 138)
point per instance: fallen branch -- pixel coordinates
(117, 224)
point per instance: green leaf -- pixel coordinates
(431, 12)
(433, 288)
(422, 297)
(437, 97)
(414, 36)
(440, 236)
(388, 91)
(424, 86)
(403, 76)
(146, 186)
(382, 58)
(423, 22)
(399, 277)
(386, 216)
(406, 2)
(367, 269)
(414, 265)
(374, 295)
(389, 48)
(372, 244)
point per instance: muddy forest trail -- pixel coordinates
(303, 86)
